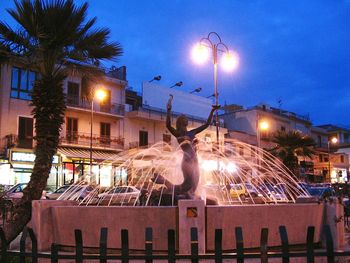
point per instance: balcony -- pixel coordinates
(78, 102)
(98, 141)
(13, 140)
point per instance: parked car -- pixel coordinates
(124, 195)
(238, 191)
(15, 193)
(252, 191)
(71, 192)
(322, 192)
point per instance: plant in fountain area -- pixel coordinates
(53, 38)
(291, 145)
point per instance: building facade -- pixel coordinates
(100, 123)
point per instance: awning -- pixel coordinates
(78, 153)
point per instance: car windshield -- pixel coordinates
(316, 191)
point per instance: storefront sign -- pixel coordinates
(28, 157)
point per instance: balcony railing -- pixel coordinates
(83, 139)
(78, 102)
(13, 140)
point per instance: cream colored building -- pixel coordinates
(73, 157)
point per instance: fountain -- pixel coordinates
(193, 184)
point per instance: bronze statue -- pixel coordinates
(187, 141)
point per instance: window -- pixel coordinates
(105, 133)
(143, 138)
(73, 94)
(22, 83)
(105, 104)
(283, 128)
(241, 151)
(72, 130)
(341, 158)
(319, 141)
(25, 132)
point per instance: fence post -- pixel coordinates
(285, 244)
(263, 245)
(34, 245)
(78, 246)
(194, 245)
(22, 246)
(148, 244)
(310, 244)
(103, 245)
(3, 246)
(171, 246)
(218, 245)
(329, 244)
(125, 245)
(54, 253)
(239, 245)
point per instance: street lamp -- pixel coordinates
(177, 84)
(157, 78)
(100, 95)
(262, 125)
(333, 140)
(229, 62)
(196, 90)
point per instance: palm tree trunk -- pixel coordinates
(49, 106)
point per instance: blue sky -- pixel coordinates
(296, 51)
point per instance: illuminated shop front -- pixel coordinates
(76, 167)
(21, 163)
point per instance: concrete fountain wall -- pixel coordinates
(55, 221)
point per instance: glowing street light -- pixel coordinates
(229, 62)
(333, 140)
(100, 95)
(263, 125)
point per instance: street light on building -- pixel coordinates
(177, 84)
(157, 78)
(100, 95)
(333, 140)
(196, 90)
(229, 62)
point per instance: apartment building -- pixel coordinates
(101, 123)
(255, 126)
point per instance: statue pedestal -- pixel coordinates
(191, 214)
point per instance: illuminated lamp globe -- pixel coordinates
(100, 94)
(230, 61)
(334, 140)
(200, 53)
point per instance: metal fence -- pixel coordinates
(80, 253)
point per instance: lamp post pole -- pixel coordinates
(329, 163)
(229, 63)
(91, 125)
(215, 62)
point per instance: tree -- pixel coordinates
(53, 38)
(290, 145)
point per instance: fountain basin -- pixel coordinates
(55, 221)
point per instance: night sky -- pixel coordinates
(293, 54)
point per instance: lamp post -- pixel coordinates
(261, 125)
(100, 94)
(333, 140)
(229, 62)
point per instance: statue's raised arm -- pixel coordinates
(209, 120)
(168, 116)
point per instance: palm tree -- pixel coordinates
(53, 38)
(289, 146)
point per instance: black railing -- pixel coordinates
(79, 253)
(111, 108)
(81, 138)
